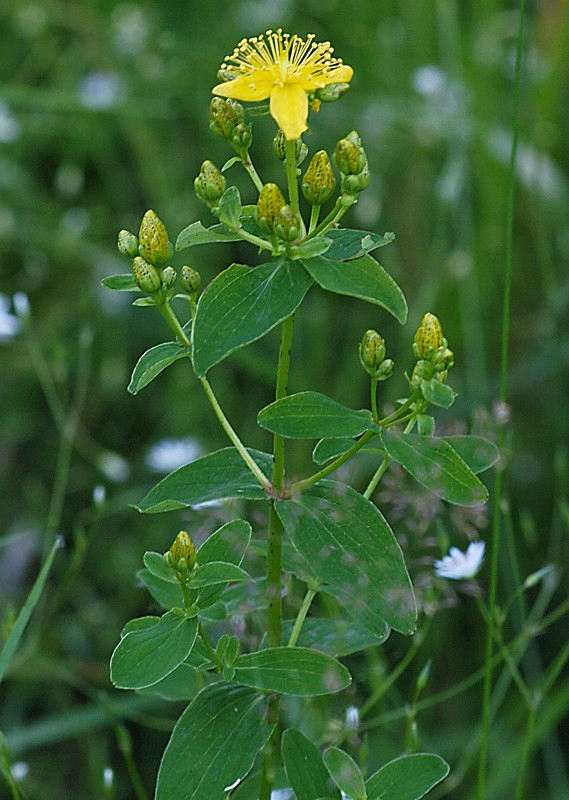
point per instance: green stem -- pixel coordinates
(207, 644)
(235, 440)
(301, 616)
(306, 483)
(252, 172)
(274, 563)
(291, 176)
(377, 476)
(373, 399)
(498, 487)
(526, 751)
(333, 217)
(314, 214)
(173, 323)
(250, 237)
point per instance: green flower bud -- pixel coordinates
(269, 204)
(153, 246)
(242, 137)
(168, 277)
(225, 115)
(279, 146)
(127, 243)
(287, 224)
(332, 92)
(318, 182)
(190, 280)
(429, 337)
(182, 554)
(354, 184)
(210, 183)
(443, 359)
(349, 155)
(385, 370)
(372, 352)
(146, 276)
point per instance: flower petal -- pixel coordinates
(243, 88)
(289, 108)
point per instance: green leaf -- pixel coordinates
(158, 567)
(230, 163)
(305, 768)
(218, 572)
(478, 453)
(168, 595)
(352, 549)
(17, 630)
(214, 744)
(345, 772)
(292, 670)
(337, 637)
(217, 476)
(144, 657)
(312, 247)
(196, 233)
(436, 466)
(348, 243)
(182, 684)
(361, 277)
(311, 415)
(242, 304)
(437, 393)
(153, 362)
(145, 301)
(228, 544)
(121, 283)
(407, 777)
(229, 207)
(327, 449)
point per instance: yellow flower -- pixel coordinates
(283, 68)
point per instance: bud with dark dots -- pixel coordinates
(210, 183)
(354, 184)
(190, 279)
(182, 554)
(318, 183)
(225, 115)
(153, 244)
(349, 155)
(372, 356)
(242, 137)
(279, 146)
(168, 277)
(269, 204)
(146, 276)
(332, 92)
(127, 243)
(287, 224)
(429, 337)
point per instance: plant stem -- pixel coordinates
(498, 487)
(314, 214)
(301, 616)
(207, 644)
(526, 751)
(291, 176)
(274, 563)
(173, 323)
(332, 218)
(252, 172)
(306, 483)
(377, 476)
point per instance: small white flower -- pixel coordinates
(170, 454)
(458, 565)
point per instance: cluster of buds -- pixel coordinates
(181, 556)
(227, 118)
(372, 356)
(275, 216)
(150, 251)
(318, 182)
(351, 160)
(430, 348)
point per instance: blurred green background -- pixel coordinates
(104, 114)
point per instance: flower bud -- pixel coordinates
(225, 115)
(210, 183)
(372, 352)
(354, 184)
(127, 243)
(190, 280)
(279, 146)
(349, 155)
(429, 337)
(385, 370)
(182, 554)
(242, 137)
(443, 359)
(332, 92)
(269, 204)
(287, 224)
(153, 245)
(146, 276)
(168, 277)
(318, 182)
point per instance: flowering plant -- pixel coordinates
(241, 735)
